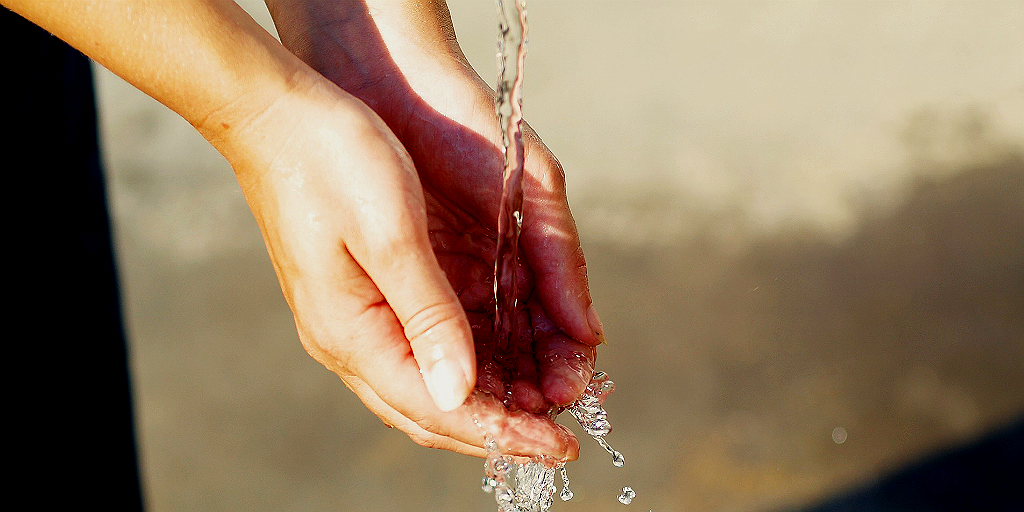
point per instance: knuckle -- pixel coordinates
(391, 242)
(423, 432)
(557, 173)
(332, 356)
(554, 179)
(430, 317)
(425, 427)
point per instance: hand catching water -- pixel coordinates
(402, 60)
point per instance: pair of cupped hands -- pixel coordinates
(379, 210)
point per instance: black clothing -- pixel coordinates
(71, 390)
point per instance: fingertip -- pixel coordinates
(520, 432)
(447, 384)
(528, 397)
(566, 369)
(596, 326)
(563, 387)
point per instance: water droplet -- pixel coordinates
(566, 494)
(546, 502)
(600, 427)
(627, 495)
(618, 460)
(503, 496)
(839, 435)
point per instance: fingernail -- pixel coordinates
(446, 383)
(595, 324)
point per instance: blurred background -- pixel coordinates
(803, 222)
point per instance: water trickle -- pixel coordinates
(527, 487)
(589, 411)
(489, 484)
(566, 493)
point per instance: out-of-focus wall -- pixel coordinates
(799, 217)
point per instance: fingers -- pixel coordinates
(392, 247)
(552, 247)
(393, 418)
(565, 365)
(435, 325)
(418, 363)
(389, 384)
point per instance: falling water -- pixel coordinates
(509, 107)
(527, 487)
(589, 411)
(530, 487)
(517, 487)
(566, 493)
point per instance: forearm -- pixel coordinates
(205, 59)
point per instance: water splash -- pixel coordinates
(530, 486)
(527, 487)
(589, 412)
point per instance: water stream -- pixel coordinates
(529, 486)
(512, 30)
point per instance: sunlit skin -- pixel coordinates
(377, 200)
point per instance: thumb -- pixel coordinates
(407, 273)
(386, 234)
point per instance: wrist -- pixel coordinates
(275, 127)
(363, 45)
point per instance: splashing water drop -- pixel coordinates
(530, 486)
(566, 494)
(627, 495)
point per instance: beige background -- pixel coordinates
(798, 216)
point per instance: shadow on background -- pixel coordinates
(796, 365)
(982, 475)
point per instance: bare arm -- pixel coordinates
(206, 60)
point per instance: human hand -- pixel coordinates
(345, 221)
(414, 76)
